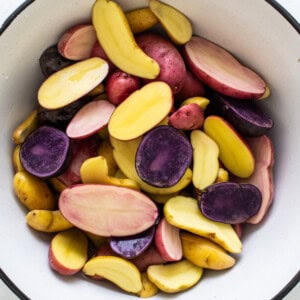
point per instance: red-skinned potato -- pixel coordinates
(167, 241)
(172, 66)
(217, 68)
(77, 42)
(192, 87)
(187, 117)
(263, 151)
(120, 85)
(68, 252)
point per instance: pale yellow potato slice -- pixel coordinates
(120, 271)
(175, 277)
(183, 212)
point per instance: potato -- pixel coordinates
(172, 67)
(33, 192)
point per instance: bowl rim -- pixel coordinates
(281, 10)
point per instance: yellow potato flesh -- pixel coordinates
(205, 159)
(116, 38)
(234, 152)
(184, 213)
(201, 101)
(124, 153)
(95, 170)
(175, 277)
(141, 111)
(69, 84)
(118, 270)
(149, 288)
(176, 24)
(205, 253)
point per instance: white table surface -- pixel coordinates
(7, 7)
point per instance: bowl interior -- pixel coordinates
(260, 37)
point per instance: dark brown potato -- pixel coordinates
(245, 115)
(230, 202)
(51, 61)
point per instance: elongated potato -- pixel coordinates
(116, 38)
(205, 253)
(149, 289)
(47, 220)
(33, 192)
(16, 159)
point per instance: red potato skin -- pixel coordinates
(66, 40)
(192, 87)
(120, 85)
(262, 177)
(171, 63)
(187, 117)
(217, 85)
(58, 267)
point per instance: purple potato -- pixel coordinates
(51, 61)
(45, 152)
(230, 202)
(132, 246)
(163, 156)
(245, 115)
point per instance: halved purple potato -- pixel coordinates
(132, 246)
(45, 152)
(163, 156)
(230, 202)
(245, 115)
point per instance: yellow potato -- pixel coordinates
(118, 270)
(95, 170)
(222, 176)
(57, 185)
(141, 19)
(149, 289)
(175, 277)
(105, 149)
(25, 128)
(201, 101)
(16, 159)
(33, 192)
(205, 253)
(47, 220)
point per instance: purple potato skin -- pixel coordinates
(245, 115)
(51, 61)
(132, 246)
(163, 156)
(45, 152)
(230, 202)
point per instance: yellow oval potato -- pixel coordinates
(116, 38)
(105, 149)
(149, 289)
(47, 220)
(205, 253)
(141, 111)
(205, 159)
(69, 84)
(201, 101)
(124, 153)
(235, 154)
(184, 213)
(33, 192)
(118, 270)
(141, 19)
(175, 277)
(17, 165)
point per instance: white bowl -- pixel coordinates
(256, 31)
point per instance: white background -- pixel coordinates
(7, 7)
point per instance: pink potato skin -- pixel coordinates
(210, 74)
(120, 85)
(66, 45)
(192, 87)
(172, 66)
(187, 117)
(58, 267)
(263, 151)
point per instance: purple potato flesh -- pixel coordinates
(132, 246)
(245, 115)
(45, 152)
(163, 156)
(230, 202)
